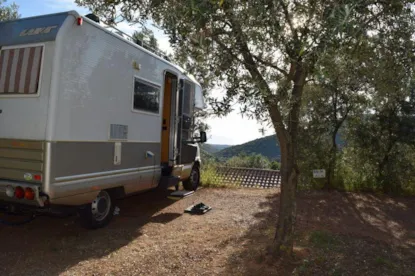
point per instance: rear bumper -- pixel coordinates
(38, 201)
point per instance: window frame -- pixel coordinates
(22, 95)
(150, 83)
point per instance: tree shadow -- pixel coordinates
(49, 246)
(336, 234)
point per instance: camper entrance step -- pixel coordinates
(198, 209)
(180, 194)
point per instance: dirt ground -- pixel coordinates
(337, 234)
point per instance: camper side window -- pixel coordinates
(146, 96)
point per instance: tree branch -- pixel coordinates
(289, 19)
(250, 65)
(228, 50)
(270, 64)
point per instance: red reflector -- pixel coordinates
(19, 192)
(79, 21)
(37, 177)
(29, 194)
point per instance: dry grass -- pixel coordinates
(337, 234)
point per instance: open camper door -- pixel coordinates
(185, 106)
(169, 125)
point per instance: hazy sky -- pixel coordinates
(232, 129)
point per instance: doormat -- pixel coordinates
(198, 209)
(180, 194)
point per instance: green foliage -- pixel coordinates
(209, 178)
(275, 165)
(249, 161)
(207, 158)
(145, 36)
(241, 160)
(368, 97)
(8, 12)
(381, 142)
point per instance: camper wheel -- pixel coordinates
(192, 183)
(98, 213)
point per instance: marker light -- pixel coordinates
(29, 194)
(79, 21)
(37, 177)
(19, 192)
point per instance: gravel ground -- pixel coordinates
(362, 235)
(151, 236)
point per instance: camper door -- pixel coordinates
(185, 119)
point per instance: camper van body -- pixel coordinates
(85, 110)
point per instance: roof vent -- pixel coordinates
(93, 17)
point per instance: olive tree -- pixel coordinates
(8, 12)
(262, 52)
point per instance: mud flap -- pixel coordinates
(168, 181)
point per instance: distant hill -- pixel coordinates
(214, 148)
(266, 146)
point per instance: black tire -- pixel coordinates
(192, 183)
(98, 213)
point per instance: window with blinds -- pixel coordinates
(20, 70)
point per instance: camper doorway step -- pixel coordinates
(180, 194)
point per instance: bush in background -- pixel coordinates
(249, 161)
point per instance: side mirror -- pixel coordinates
(200, 139)
(203, 137)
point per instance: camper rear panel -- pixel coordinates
(27, 49)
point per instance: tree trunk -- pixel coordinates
(283, 240)
(382, 177)
(288, 141)
(332, 163)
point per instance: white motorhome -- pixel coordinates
(87, 116)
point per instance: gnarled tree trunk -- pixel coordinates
(283, 241)
(332, 162)
(288, 141)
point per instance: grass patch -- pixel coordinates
(210, 178)
(323, 240)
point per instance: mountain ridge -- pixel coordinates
(266, 146)
(214, 148)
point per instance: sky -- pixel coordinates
(231, 130)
